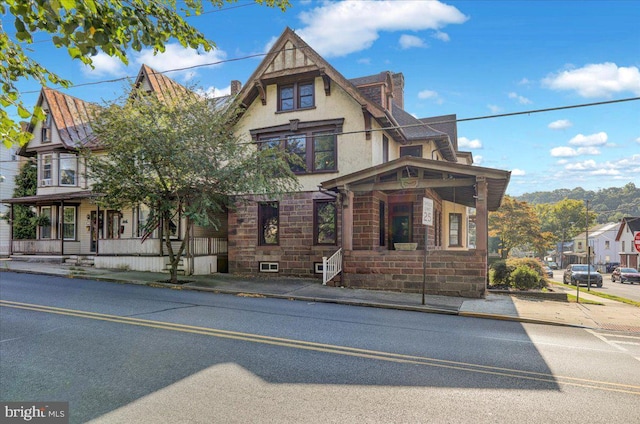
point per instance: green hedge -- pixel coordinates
(519, 273)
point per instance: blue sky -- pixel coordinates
(471, 58)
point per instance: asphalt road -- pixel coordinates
(627, 291)
(136, 354)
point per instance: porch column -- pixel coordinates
(347, 219)
(482, 215)
(61, 227)
(11, 217)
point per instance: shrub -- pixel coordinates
(499, 273)
(525, 278)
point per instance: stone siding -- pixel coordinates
(295, 254)
(449, 273)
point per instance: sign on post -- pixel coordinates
(427, 219)
(636, 241)
(427, 211)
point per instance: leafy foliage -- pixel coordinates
(519, 273)
(524, 278)
(609, 204)
(517, 225)
(24, 226)
(179, 158)
(84, 28)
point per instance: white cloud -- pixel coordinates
(581, 166)
(464, 142)
(104, 65)
(408, 41)
(596, 80)
(524, 81)
(213, 92)
(336, 29)
(517, 172)
(428, 94)
(442, 36)
(598, 139)
(494, 108)
(564, 151)
(477, 160)
(560, 124)
(521, 99)
(638, 140)
(364, 61)
(176, 56)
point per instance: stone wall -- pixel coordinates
(449, 273)
(296, 254)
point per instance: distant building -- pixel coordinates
(603, 244)
(629, 226)
(9, 168)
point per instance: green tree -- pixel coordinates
(84, 28)
(24, 224)
(565, 219)
(516, 224)
(180, 158)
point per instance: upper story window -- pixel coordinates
(385, 149)
(314, 143)
(415, 151)
(68, 169)
(45, 170)
(46, 128)
(299, 95)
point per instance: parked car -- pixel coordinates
(610, 266)
(577, 274)
(552, 265)
(625, 275)
(548, 271)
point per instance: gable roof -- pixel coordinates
(164, 87)
(454, 182)
(71, 117)
(632, 222)
(291, 55)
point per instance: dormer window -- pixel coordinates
(46, 128)
(296, 96)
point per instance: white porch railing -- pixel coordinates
(331, 266)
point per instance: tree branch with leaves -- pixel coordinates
(84, 28)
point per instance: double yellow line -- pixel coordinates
(334, 349)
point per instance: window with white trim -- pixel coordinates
(68, 169)
(69, 223)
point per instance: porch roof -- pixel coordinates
(454, 182)
(48, 198)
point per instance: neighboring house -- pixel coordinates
(77, 228)
(629, 256)
(9, 167)
(603, 244)
(369, 165)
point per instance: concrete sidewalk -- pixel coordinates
(610, 315)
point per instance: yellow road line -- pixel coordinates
(335, 349)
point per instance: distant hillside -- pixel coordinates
(611, 204)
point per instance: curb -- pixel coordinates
(424, 309)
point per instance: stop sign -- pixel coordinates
(636, 241)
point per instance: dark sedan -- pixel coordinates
(625, 275)
(580, 274)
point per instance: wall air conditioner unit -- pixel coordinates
(46, 182)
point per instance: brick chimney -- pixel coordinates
(236, 86)
(398, 89)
